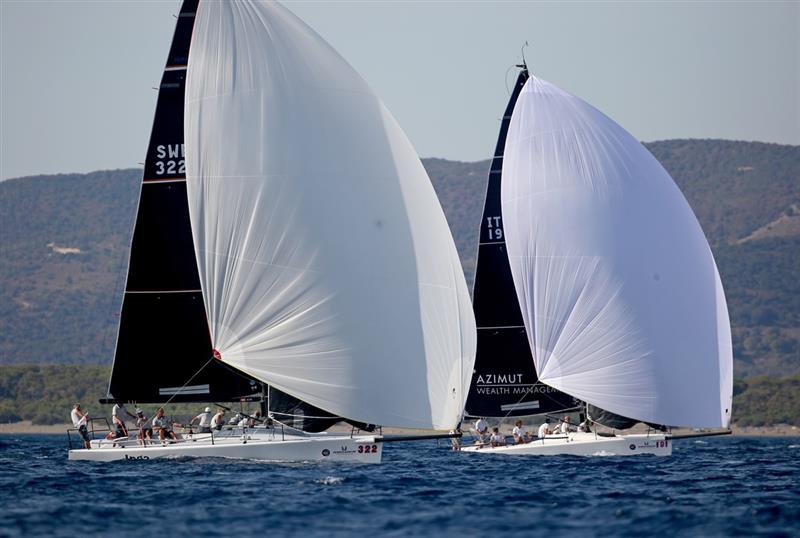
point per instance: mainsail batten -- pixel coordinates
(504, 381)
(326, 263)
(618, 286)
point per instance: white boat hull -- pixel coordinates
(583, 444)
(275, 448)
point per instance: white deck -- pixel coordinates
(256, 444)
(583, 444)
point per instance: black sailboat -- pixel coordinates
(163, 351)
(504, 381)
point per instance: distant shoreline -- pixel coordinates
(780, 430)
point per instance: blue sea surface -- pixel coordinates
(736, 486)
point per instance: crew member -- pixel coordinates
(117, 419)
(164, 425)
(80, 421)
(145, 428)
(204, 420)
(544, 429)
(565, 425)
(518, 433)
(496, 439)
(481, 429)
(219, 420)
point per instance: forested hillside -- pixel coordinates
(64, 249)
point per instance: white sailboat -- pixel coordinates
(288, 242)
(616, 285)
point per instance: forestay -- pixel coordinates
(325, 260)
(619, 291)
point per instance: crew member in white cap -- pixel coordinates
(204, 419)
(145, 428)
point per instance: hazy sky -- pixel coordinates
(76, 94)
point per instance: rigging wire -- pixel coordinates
(508, 89)
(177, 392)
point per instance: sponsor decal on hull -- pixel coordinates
(360, 449)
(657, 443)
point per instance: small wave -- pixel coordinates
(701, 442)
(794, 446)
(733, 462)
(329, 480)
(184, 457)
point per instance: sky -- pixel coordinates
(76, 77)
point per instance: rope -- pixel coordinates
(177, 392)
(510, 67)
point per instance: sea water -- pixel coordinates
(708, 487)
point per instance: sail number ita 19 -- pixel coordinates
(495, 227)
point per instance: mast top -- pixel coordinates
(524, 64)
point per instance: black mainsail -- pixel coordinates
(163, 350)
(163, 338)
(504, 381)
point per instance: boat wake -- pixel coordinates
(329, 480)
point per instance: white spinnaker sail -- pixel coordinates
(618, 287)
(327, 266)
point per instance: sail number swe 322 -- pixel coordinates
(170, 159)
